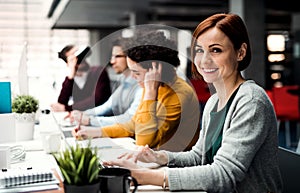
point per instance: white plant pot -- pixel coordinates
(24, 126)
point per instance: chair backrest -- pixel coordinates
(289, 163)
(270, 95)
(201, 89)
(286, 104)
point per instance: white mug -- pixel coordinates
(4, 157)
(51, 141)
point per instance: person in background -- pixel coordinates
(237, 150)
(122, 104)
(85, 86)
(168, 106)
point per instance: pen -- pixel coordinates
(80, 118)
(78, 127)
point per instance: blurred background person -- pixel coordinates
(85, 86)
(122, 104)
(168, 115)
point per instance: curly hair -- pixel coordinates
(146, 47)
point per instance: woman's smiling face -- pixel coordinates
(215, 57)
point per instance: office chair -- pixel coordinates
(289, 164)
(287, 108)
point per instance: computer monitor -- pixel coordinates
(22, 73)
(5, 95)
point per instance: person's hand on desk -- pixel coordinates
(125, 163)
(58, 107)
(84, 132)
(79, 116)
(144, 176)
(145, 154)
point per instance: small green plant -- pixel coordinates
(79, 165)
(25, 104)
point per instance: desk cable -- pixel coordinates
(17, 153)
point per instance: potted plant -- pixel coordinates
(24, 108)
(79, 167)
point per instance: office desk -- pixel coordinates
(107, 149)
(110, 149)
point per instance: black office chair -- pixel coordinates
(289, 163)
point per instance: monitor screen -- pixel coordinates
(22, 74)
(5, 95)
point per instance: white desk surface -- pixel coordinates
(108, 149)
(38, 159)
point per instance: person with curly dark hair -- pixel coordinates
(168, 115)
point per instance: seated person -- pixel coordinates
(122, 104)
(237, 150)
(87, 86)
(169, 105)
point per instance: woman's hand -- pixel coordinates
(58, 107)
(84, 132)
(152, 81)
(72, 65)
(78, 116)
(142, 175)
(126, 163)
(145, 154)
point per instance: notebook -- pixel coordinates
(5, 95)
(17, 178)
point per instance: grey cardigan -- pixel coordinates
(247, 159)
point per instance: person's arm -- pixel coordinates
(119, 130)
(157, 177)
(121, 118)
(67, 86)
(104, 109)
(112, 131)
(158, 120)
(152, 81)
(145, 154)
(144, 176)
(58, 107)
(66, 92)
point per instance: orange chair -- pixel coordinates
(286, 107)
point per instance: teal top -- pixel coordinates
(215, 127)
(214, 133)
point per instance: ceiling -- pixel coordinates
(183, 14)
